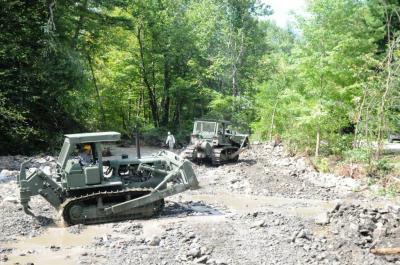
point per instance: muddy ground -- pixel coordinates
(266, 209)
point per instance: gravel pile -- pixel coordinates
(366, 226)
(269, 171)
(358, 228)
(14, 222)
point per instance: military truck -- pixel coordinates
(100, 190)
(214, 141)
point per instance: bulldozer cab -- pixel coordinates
(80, 167)
(215, 131)
(208, 129)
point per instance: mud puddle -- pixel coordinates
(246, 203)
(56, 246)
(59, 246)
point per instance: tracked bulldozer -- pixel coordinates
(100, 190)
(215, 142)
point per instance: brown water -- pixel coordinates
(247, 203)
(74, 245)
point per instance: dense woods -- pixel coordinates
(328, 85)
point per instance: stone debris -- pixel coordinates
(76, 229)
(154, 241)
(259, 223)
(197, 231)
(322, 219)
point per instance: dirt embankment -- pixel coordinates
(266, 209)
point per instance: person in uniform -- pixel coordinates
(170, 141)
(85, 155)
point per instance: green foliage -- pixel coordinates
(322, 165)
(359, 155)
(71, 66)
(379, 169)
(86, 65)
(317, 81)
(154, 136)
(37, 73)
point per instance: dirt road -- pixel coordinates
(266, 209)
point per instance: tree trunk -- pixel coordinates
(393, 43)
(356, 130)
(141, 105)
(366, 132)
(386, 251)
(272, 121)
(79, 25)
(318, 142)
(177, 114)
(102, 113)
(129, 110)
(234, 85)
(166, 97)
(151, 92)
(385, 97)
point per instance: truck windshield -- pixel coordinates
(204, 126)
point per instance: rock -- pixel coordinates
(40, 160)
(293, 236)
(47, 170)
(322, 219)
(202, 259)
(337, 206)
(3, 258)
(303, 234)
(191, 235)
(9, 173)
(76, 229)
(221, 262)
(155, 241)
(194, 252)
(205, 251)
(321, 256)
(11, 199)
(54, 248)
(50, 158)
(211, 261)
(259, 223)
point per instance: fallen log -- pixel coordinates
(386, 251)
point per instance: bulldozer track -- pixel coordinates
(218, 158)
(188, 153)
(146, 211)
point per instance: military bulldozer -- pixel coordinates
(100, 190)
(213, 141)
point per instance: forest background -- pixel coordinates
(327, 86)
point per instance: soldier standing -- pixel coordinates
(170, 141)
